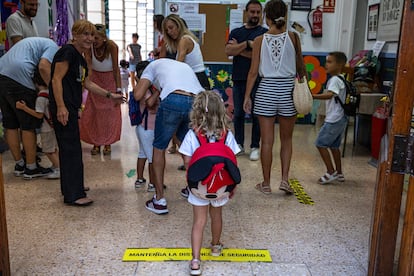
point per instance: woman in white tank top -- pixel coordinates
(274, 60)
(178, 38)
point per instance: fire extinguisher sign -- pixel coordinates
(329, 6)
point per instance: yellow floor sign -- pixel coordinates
(184, 254)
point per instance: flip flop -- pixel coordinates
(264, 189)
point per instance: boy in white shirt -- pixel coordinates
(332, 130)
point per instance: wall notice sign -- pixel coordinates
(329, 6)
(390, 20)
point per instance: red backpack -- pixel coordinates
(212, 172)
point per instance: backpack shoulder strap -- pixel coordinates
(43, 94)
(337, 99)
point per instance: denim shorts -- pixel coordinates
(172, 117)
(330, 135)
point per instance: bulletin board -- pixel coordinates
(214, 39)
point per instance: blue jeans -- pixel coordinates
(172, 117)
(239, 89)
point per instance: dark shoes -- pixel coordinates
(81, 202)
(37, 172)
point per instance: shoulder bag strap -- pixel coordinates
(300, 65)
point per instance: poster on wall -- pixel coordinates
(389, 22)
(302, 5)
(373, 12)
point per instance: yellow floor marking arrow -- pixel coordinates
(300, 193)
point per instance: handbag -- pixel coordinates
(302, 97)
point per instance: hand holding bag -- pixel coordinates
(302, 97)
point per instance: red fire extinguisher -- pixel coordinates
(316, 25)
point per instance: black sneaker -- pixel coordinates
(37, 172)
(185, 192)
(18, 170)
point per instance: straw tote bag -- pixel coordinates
(302, 97)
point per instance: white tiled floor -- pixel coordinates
(330, 237)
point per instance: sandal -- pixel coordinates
(195, 267)
(107, 150)
(285, 186)
(216, 249)
(327, 178)
(340, 177)
(263, 188)
(95, 150)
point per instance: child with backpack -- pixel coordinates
(47, 133)
(145, 134)
(332, 130)
(123, 70)
(208, 121)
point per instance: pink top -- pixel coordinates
(151, 112)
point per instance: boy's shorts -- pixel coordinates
(330, 135)
(172, 117)
(196, 201)
(145, 139)
(49, 142)
(13, 118)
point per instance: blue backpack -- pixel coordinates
(135, 115)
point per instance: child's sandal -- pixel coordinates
(216, 249)
(195, 267)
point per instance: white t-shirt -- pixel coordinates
(334, 110)
(42, 106)
(169, 75)
(190, 143)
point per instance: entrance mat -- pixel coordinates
(184, 254)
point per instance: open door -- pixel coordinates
(389, 187)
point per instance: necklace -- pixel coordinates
(100, 52)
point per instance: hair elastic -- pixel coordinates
(282, 18)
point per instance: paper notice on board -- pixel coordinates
(236, 19)
(377, 48)
(195, 22)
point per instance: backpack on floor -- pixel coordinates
(352, 98)
(212, 172)
(135, 115)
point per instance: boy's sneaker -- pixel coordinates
(18, 170)
(55, 174)
(185, 192)
(157, 206)
(139, 182)
(216, 249)
(37, 172)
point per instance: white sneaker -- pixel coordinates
(254, 154)
(55, 174)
